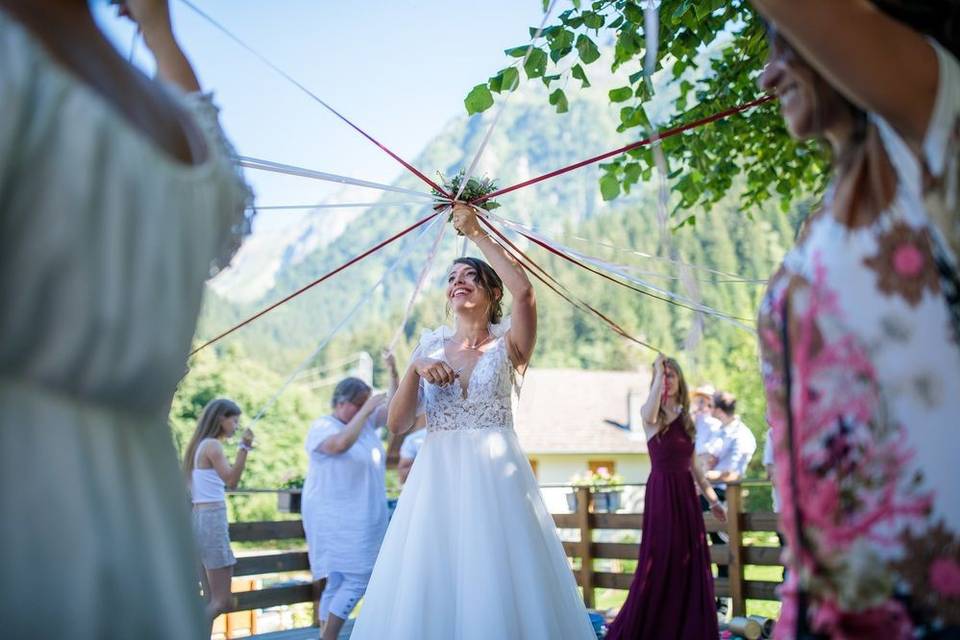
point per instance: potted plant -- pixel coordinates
(288, 498)
(605, 489)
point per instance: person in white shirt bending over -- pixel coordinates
(344, 499)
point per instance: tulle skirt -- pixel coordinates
(472, 552)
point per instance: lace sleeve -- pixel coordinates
(235, 205)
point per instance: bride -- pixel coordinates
(471, 551)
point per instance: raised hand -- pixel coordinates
(389, 359)
(375, 401)
(150, 15)
(658, 365)
(465, 220)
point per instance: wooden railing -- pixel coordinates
(273, 563)
(735, 555)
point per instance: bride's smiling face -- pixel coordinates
(464, 293)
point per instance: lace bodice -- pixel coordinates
(491, 391)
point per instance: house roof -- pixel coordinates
(565, 411)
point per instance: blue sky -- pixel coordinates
(400, 70)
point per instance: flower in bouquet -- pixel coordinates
(474, 189)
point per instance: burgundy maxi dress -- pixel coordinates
(671, 597)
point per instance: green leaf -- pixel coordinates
(517, 52)
(621, 94)
(548, 80)
(633, 13)
(557, 54)
(574, 22)
(479, 99)
(587, 49)
(592, 20)
(495, 83)
(536, 64)
(561, 39)
(579, 74)
(682, 9)
(559, 99)
(609, 187)
(547, 32)
(510, 79)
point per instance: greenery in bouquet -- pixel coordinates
(601, 479)
(474, 189)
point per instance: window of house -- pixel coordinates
(609, 465)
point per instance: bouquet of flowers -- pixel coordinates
(475, 188)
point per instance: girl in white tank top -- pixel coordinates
(209, 473)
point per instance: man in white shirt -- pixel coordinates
(709, 440)
(737, 445)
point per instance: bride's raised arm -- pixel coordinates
(522, 335)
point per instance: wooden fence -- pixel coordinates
(735, 555)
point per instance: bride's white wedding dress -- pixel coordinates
(471, 552)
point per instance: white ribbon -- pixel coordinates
(340, 205)
(428, 264)
(289, 169)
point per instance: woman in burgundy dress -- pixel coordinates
(672, 592)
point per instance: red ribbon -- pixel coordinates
(558, 287)
(630, 147)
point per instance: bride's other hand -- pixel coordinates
(435, 371)
(465, 220)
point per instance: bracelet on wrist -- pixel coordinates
(246, 447)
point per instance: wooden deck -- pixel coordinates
(587, 549)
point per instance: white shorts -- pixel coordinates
(342, 593)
